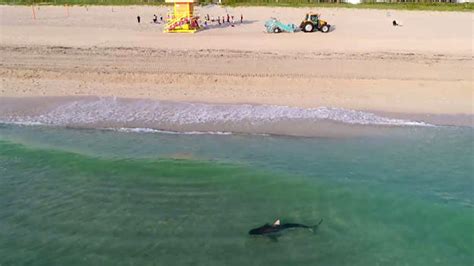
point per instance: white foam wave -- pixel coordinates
(22, 123)
(111, 110)
(150, 130)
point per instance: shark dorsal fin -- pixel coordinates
(276, 223)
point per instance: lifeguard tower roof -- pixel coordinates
(181, 1)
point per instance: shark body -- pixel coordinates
(277, 227)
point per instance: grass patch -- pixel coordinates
(269, 3)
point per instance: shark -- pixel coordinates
(272, 230)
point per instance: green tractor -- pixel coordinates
(312, 23)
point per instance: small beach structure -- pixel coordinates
(182, 19)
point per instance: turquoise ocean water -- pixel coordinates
(102, 197)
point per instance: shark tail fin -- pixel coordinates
(314, 227)
(320, 222)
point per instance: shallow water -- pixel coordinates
(101, 197)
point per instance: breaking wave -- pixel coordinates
(112, 110)
(151, 130)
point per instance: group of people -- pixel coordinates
(155, 19)
(226, 19)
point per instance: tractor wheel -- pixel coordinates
(308, 27)
(325, 28)
(276, 30)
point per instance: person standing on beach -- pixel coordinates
(138, 19)
(241, 18)
(228, 18)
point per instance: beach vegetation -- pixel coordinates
(367, 4)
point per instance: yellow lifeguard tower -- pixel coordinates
(182, 19)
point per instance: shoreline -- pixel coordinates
(144, 115)
(38, 105)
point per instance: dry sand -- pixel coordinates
(424, 67)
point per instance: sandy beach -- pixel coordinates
(423, 67)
